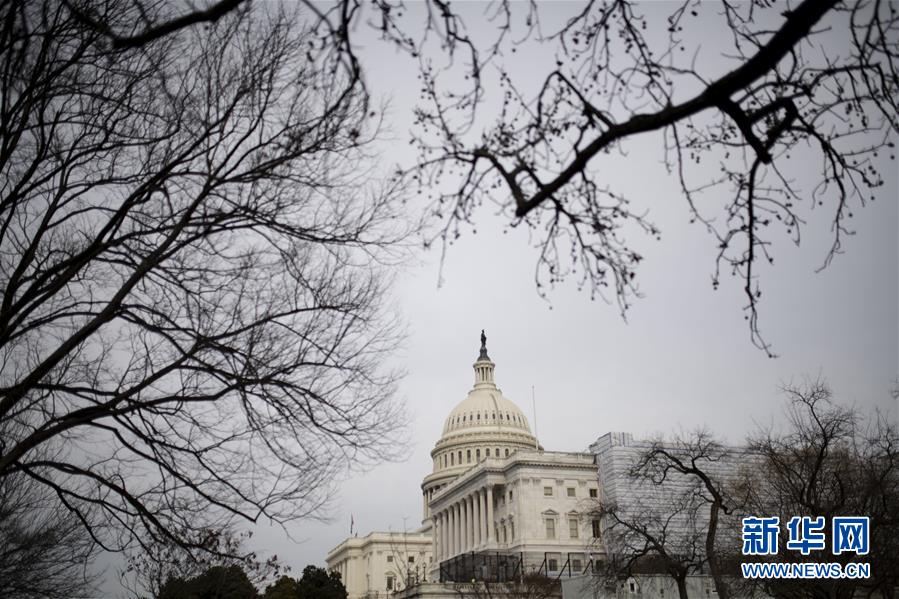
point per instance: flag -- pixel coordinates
(351, 524)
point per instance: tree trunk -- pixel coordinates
(720, 585)
(681, 581)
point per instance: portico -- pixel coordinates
(463, 523)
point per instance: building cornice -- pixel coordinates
(517, 461)
(359, 544)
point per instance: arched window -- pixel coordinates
(488, 452)
(507, 452)
(451, 460)
(468, 456)
(460, 456)
(477, 454)
(497, 452)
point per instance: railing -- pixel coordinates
(567, 570)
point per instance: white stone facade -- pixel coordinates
(380, 563)
(533, 504)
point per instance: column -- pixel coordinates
(489, 513)
(471, 522)
(457, 529)
(444, 537)
(482, 509)
(476, 504)
(465, 517)
(435, 532)
(449, 532)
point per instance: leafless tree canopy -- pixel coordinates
(830, 460)
(622, 70)
(621, 73)
(645, 539)
(702, 501)
(43, 551)
(149, 568)
(821, 459)
(192, 271)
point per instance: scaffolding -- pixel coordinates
(482, 566)
(485, 566)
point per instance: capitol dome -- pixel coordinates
(485, 409)
(485, 425)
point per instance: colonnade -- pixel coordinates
(465, 525)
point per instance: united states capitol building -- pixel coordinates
(495, 505)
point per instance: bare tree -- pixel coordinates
(409, 568)
(652, 539)
(43, 551)
(822, 462)
(624, 70)
(693, 458)
(155, 19)
(148, 570)
(192, 263)
(828, 461)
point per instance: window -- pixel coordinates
(497, 452)
(488, 452)
(553, 564)
(592, 492)
(411, 559)
(460, 456)
(452, 460)
(595, 524)
(390, 583)
(550, 528)
(468, 457)
(632, 586)
(389, 559)
(512, 529)
(572, 528)
(507, 452)
(547, 491)
(477, 454)
(510, 495)
(571, 492)
(505, 534)
(576, 565)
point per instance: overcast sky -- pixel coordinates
(682, 360)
